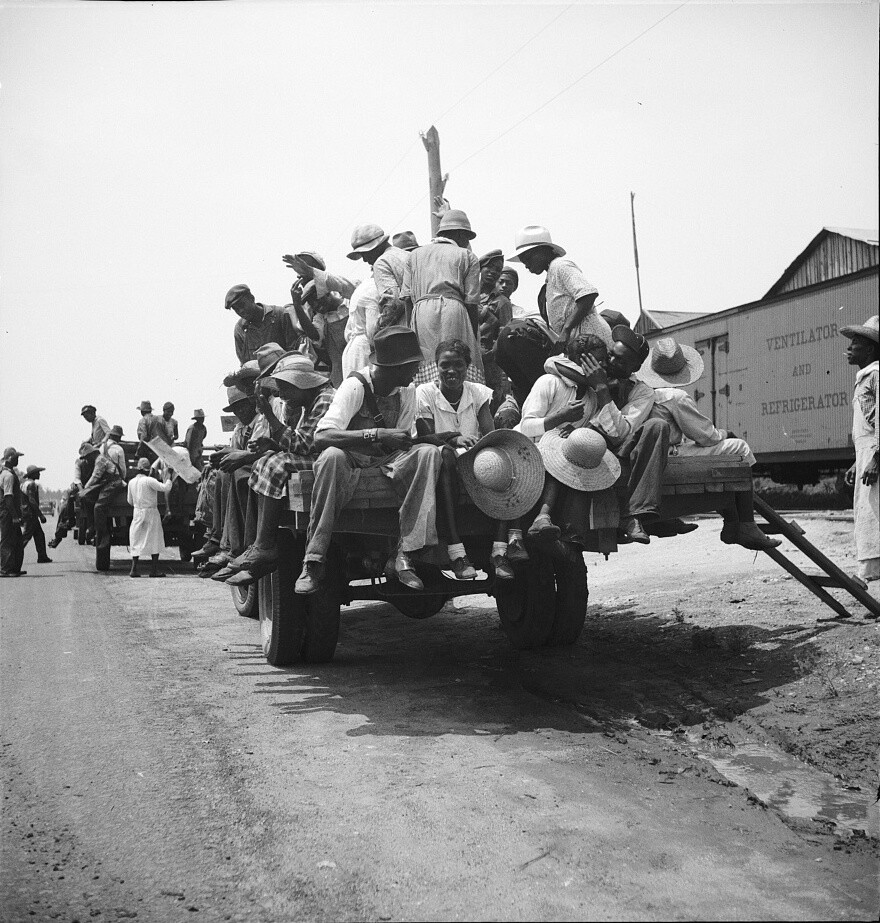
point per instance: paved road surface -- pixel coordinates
(156, 767)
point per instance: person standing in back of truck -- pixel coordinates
(864, 476)
(195, 438)
(100, 427)
(168, 425)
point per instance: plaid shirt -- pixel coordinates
(300, 439)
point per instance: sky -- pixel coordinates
(154, 155)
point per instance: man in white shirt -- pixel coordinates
(350, 437)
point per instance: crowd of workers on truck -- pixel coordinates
(558, 422)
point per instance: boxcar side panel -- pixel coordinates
(776, 373)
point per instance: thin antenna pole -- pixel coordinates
(436, 180)
(632, 205)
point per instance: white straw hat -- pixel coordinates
(531, 236)
(670, 364)
(503, 474)
(870, 329)
(580, 460)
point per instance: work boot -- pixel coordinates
(44, 560)
(463, 569)
(501, 566)
(748, 535)
(633, 531)
(543, 529)
(311, 578)
(405, 571)
(516, 551)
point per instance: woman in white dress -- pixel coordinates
(145, 535)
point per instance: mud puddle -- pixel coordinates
(790, 786)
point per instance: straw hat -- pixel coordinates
(198, 414)
(267, 355)
(670, 364)
(115, 432)
(145, 407)
(298, 370)
(364, 238)
(456, 220)
(234, 396)
(531, 236)
(869, 329)
(86, 449)
(503, 474)
(580, 460)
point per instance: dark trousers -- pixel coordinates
(240, 525)
(11, 545)
(219, 501)
(33, 529)
(643, 457)
(110, 496)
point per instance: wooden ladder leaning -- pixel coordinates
(832, 575)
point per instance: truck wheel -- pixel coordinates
(527, 604)
(283, 613)
(322, 608)
(102, 557)
(420, 607)
(571, 601)
(246, 601)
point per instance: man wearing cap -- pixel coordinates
(100, 427)
(508, 283)
(864, 476)
(570, 298)
(31, 515)
(11, 545)
(370, 244)
(168, 425)
(307, 396)
(260, 323)
(441, 287)
(671, 367)
(242, 403)
(369, 424)
(195, 438)
(107, 480)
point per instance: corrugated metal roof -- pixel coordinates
(832, 253)
(657, 320)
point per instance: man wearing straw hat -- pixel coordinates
(671, 367)
(570, 298)
(441, 287)
(195, 437)
(388, 262)
(864, 476)
(369, 425)
(307, 396)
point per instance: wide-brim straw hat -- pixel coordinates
(364, 238)
(396, 345)
(580, 460)
(671, 364)
(530, 237)
(245, 375)
(503, 474)
(298, 370)
(456, 220)
(869, 329)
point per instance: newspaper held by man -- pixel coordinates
(178, 462)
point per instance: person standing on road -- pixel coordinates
(11, 544)
(100, 427)
(145, 535)
(195, 438)
(864, 475)
(32, 516)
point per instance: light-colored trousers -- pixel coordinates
(725, 447)
(413, 475)
(866, 512)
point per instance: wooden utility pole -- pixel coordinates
(436, 180)
(632, 206)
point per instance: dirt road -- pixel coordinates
(155, 767)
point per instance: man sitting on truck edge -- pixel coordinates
(369, 424)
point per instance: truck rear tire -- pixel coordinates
(246, 600)
(322, 608)
(420, 607)
(572, 593)
(527, 604)
(282, 613)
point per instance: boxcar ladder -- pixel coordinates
(831, 576)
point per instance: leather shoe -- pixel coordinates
(636, 532)
(406, 573)
(463, 569)
(44, 560)
(516, 551)
(502, 568)
(224, 572)
(542, 528)
(309, 581)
